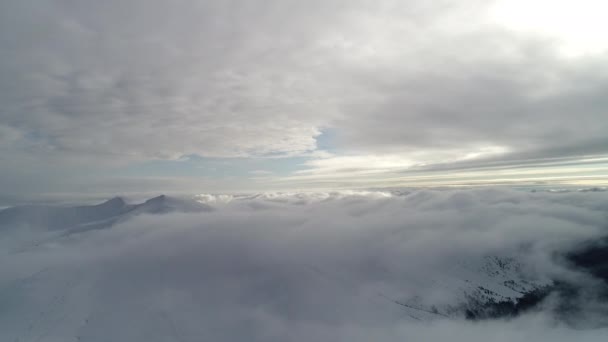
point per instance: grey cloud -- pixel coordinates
(113, 82)
(482, 90)
(158, 80)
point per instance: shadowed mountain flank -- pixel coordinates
(567, 299)
(99, 216)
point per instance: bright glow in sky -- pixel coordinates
(579, 26)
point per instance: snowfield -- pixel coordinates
(407, 265)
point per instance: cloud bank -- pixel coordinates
(344, 266)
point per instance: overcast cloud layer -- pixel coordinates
(303, 267)
(351, 87)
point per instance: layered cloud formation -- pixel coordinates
(91, 85)
(350, 266)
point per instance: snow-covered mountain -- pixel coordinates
(99, 216)
(51, 217)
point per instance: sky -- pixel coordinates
(127, 96)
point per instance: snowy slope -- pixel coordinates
(99, 216)
(50, 217)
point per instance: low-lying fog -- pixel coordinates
(344, 266)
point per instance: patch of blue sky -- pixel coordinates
(326, 141)
(197, 166)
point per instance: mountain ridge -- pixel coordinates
(105, 214)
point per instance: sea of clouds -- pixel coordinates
(302, 267)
